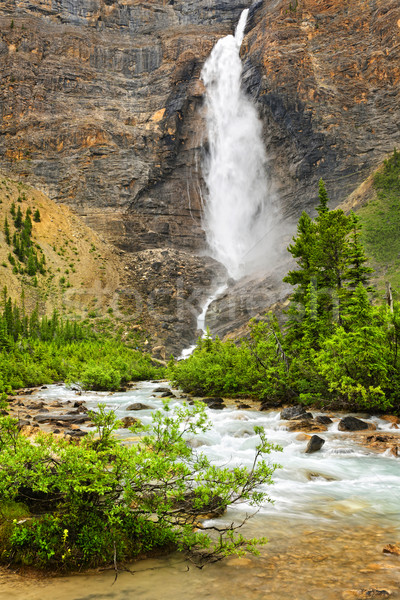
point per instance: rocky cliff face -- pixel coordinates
(101, 106)
(326, 76)
(99, 109)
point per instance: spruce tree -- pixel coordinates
(322, 207)
(18, 218)
(357, 270)
(7, 231)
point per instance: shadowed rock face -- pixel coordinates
(101, 105)
(326, 76)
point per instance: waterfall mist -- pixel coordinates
(238, 212)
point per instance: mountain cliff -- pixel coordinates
(102, 109)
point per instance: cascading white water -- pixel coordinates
(238, 210)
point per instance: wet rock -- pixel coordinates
(35, 406)
(314, 444)
(312, 475)
(167, 395)
(128, 422)
(162, 390)
(292, 412)
(384, 441)
(366, 594)
(44, 410)
(139, 406)
(323, 419)
(61, 419)
(270, 404)
(77, 433)
(216, 406)
(244, 406)
(23, 423)
(352, 424)
(213, 400)
(392, 549)
(306, 425)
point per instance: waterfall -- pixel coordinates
(238, 209)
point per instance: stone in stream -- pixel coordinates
(62, 419)
(314, 444)
(293, 412)
(352, 424)
(305, 425)
(162, 390)
(128, 422)
(392, 549)
(323, 419)
(365, 594)
(139, 406)
(215, 403)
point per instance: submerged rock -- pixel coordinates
(314, 444)
(138, 406)
(392, 549)
(305, 425)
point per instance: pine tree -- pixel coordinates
(7, 231)
(303, 250)
(18, 218)
(322, 207)
(357, 271)
(36, 216)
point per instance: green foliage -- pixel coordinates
(336, 349)
(381, 221)
(36, 216)
(102, 501)
(37, 350)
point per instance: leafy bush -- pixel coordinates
(102, 501)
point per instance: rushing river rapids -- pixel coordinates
(333, 513)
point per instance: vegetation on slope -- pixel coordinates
(381, 223)
(37, 350)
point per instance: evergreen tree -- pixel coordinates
(322, 207)
(7, 231)
(357, 271)
(18, 218)
(36, 216)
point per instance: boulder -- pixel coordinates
(352, 424)
(323, 419)
(292, 412)
(305, 425)
(314, 444)
(162, 390)
(139, 406)
(61, 420)
(128, 422)
(213, 400)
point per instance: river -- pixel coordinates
(333, 513)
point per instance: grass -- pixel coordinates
(381, 224)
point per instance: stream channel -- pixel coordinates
(333, 513)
